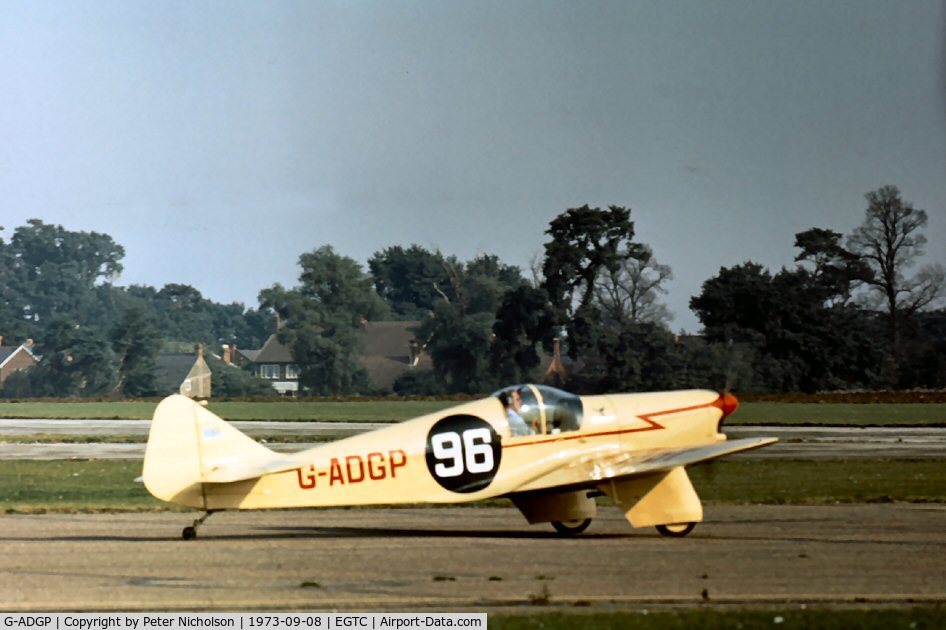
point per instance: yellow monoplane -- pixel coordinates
(548, 451)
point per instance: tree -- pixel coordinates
(337, 284)
(47, 271)
(231, 382)
(410, 280)
(136, 343)
(459, 329)
(629, 293)
(737, 304)
(77, 361)
(837, 270)
(524, 320)
(584, 243)
(889, 241)
(184, 314)
(797, 337)
(323, 317)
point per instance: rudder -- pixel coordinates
(187, 445)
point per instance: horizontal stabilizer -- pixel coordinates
(241, 471)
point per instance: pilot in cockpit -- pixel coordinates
(512, 402)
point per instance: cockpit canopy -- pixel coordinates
(546, 410)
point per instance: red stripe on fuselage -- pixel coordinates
(646, 417)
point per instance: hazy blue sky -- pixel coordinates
(217, 141)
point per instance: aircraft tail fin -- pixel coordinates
(189, 446)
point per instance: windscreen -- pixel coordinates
(545, 409)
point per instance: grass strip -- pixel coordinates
(73, 486)
(839, 414)
(820, 481)
(788, 618)
(356, 411)
(843, 414)
(108, 485)
(70, 438)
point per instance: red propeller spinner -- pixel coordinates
(726, 403)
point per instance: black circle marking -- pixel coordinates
(463, 453)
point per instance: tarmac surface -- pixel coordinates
(794, 442)
(476, 559)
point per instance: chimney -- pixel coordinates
(226, 354)
(556, 371)
(29, 343)
(200, 349)
(1, 340)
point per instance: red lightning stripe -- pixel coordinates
(646, 417)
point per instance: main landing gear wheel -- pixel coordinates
(571, 528)
(676, 530)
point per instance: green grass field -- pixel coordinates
(369, 411)
(788, 618)
(841, 414)
(100, 485)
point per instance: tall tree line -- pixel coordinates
(856, 311)
(95, 338)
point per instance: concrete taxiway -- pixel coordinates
(471, 559)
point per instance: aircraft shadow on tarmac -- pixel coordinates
(322, 532)
(160, 535)
(389, 532)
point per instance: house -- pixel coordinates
(273, 362)
(186, 374)
(15, 358)
(389, 349)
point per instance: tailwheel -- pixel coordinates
(571, 528)
(190, 533)
(676, 530)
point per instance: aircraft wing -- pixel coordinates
(610, 466)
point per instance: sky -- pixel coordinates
(218, 141)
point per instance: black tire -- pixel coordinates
(571, 528)
(189, 533)
(676, 530)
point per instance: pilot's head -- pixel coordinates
(515, 399)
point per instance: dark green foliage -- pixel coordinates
(410, 280)
(323, 316)
(584, 243)
(46, 270)
(77, 361)
(55, 287)
(233, 382)
(525, 319)
(802, 334)
(419, 383)
(459, 331)
(136, 341)
(851, 314)
(835, 269)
